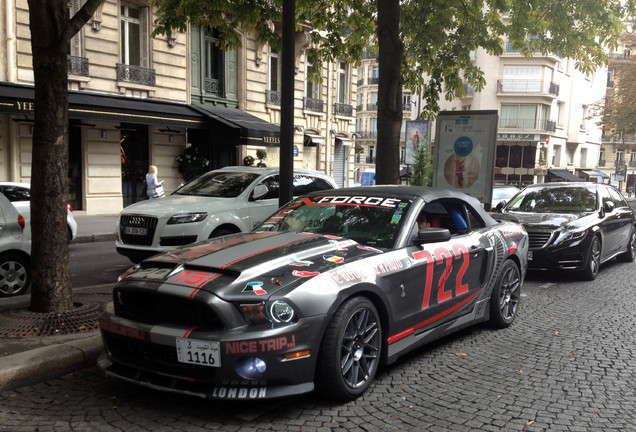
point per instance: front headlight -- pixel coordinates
(570, 236)
(281, 312)
(276, 312)
(182, 218)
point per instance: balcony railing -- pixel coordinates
(532, 124)
(601, 162)
(527, 86)
(343, 109)
(273, 97)
(374, 80)
(136, 74)
(311, 104)
(360, 81)
(619, 163)
(368, 54)
(632, 163)
(367, 134)
(372, 107)
(371, 159)
(76, 65)
(213, 86)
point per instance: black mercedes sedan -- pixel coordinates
(574, 226)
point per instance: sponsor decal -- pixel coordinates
(122, 330)
(256, 287)
(513, 248)
(370, 249)
(239, 392)
(333, 258)
(331, 237)
(299, 263)
(275, 281)
(511, 232)
(337, 245)
(396, 218)
(260, 345)
(355, 273)
(365, 201)
(301, 273)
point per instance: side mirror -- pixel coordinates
(432, 235)
(500, 205)
(608, 206)
(259, 191)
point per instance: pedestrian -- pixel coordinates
(154, 187)
(630, 189)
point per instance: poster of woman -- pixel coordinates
(417, 134)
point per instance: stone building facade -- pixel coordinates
(137, 99)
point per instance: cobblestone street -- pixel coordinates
(565, 364)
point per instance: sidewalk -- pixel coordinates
(38, 347)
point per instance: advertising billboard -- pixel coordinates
(464, 154)
(417, 133)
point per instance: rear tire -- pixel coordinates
(593, 260)
(630, 254)
(350, 351)
(15, 275)
(505, 297)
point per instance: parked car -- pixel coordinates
(220, 202)
(316, 297)
(502, 194)
(20, 196)
(15, 251)
(574, 226)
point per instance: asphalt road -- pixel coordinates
(96, 263)
(566, 364)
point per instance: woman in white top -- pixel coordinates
(152, 182)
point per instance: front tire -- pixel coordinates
(350, 351)
(630, 254)
(505, 297)
(593, 260)
(15, 275)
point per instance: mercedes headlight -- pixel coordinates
(182, 218)
(570, 236)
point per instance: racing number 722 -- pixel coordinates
(442, 254)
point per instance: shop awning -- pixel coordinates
(18, 99)
(251, 129)
(602, 174)
(591, 173)
(565, 175)
(313, 138)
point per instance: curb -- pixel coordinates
(50, 362)
(89, 238)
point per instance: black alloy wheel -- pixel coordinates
(593, 260)
(630, 254)
(350, 352)
(504, 301)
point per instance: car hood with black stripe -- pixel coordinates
(249, 266)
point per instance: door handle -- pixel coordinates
(476, 250)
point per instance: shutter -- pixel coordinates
(339, 164)
(144, 16)
(76, 40)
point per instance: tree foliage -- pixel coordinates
(422, 170)
(618, 110)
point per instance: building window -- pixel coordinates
(556, 156)
(274, 71)
(374, 75)
(373, 128)
(343, 83)
(134, 35)
(406, 100)
(620, 156)
(312, 89)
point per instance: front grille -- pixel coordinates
(137, 222)
(539, 239)
(177, 240)
(153, 308)
(153, 357)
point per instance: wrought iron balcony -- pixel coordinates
(343, 109)
(372, 107)
(136, 74)
(374, 80)
(213, 86)
(311, 104)
(273, 97)
(528, 86)
(619, 163)
(371, 159)
(76, 65)
(632, 163)
(601, 162)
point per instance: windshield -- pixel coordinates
(372, 221)
(504, 192)
(218, 184)
(565, 199)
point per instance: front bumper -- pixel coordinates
(571, 258)
(147, 355)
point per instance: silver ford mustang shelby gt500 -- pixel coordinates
(317, 297)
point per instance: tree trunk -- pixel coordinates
(387, 169)
(51, 288)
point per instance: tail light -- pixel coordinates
(21, 221)
(68, 206)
